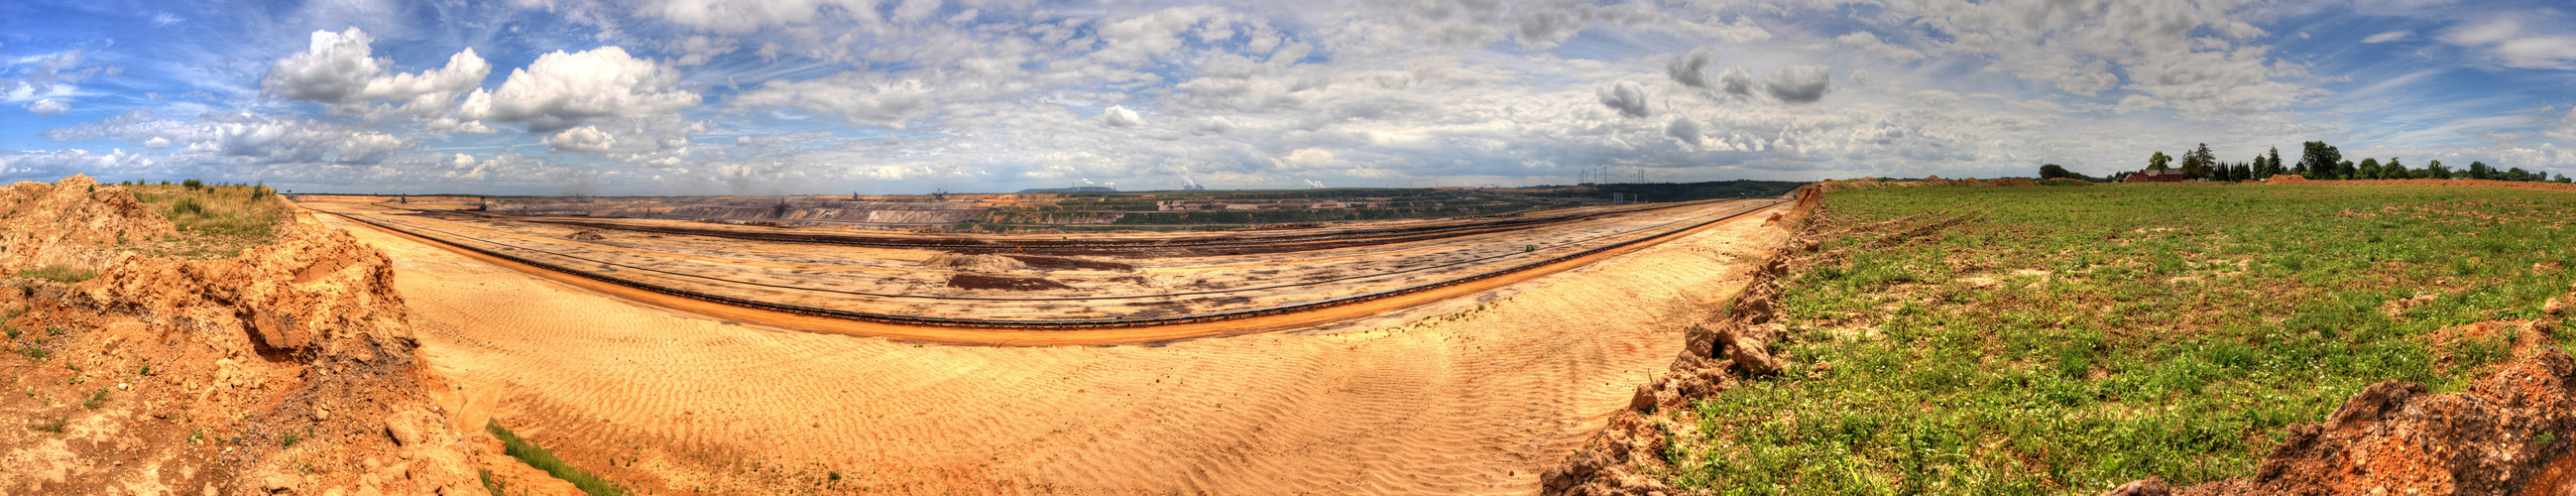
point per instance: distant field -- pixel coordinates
(2064, 339)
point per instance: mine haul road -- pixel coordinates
(789, 285)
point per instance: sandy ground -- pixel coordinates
(1472, 395)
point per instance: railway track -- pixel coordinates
(1666, 230)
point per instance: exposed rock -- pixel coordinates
(2144, 487)
(280, 483)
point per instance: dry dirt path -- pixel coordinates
(1478, 403)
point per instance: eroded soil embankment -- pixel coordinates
(1475, 394)
(1728, 340)
(290, 368)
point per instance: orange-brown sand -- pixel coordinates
(1475, 394)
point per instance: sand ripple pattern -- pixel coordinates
(1468, 405)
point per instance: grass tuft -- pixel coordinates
(246, 211)
(537, 456)
(53, 425)
(59, 273)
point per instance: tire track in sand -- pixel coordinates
(682, 403)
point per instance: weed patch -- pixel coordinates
(59, 273)
(2067, 339)
(537, 456)
(214, 221)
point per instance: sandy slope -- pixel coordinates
(1478, 404)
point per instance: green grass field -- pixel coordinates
(2060, 340)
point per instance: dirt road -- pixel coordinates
(1473, 394)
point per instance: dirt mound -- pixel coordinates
(2065, 181)
(289, 368)
(74, 222)
(2012, 182)
(2286, 179)
(975, 262)
(2505, 436)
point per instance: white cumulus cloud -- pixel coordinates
(340, 69)
(585, 139)
(562, 90)
(1119, 116)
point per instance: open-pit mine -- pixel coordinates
(1039, 288)
(753, 352)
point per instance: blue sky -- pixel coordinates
(900, 96)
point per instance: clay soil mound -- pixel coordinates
(975, 263)
(73, 222)
(290, 368)
(2507, 435)
(2287, 179)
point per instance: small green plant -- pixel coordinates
(96, 399)
(193, 184)
(290, 440)
(146, 370)
(188, 206)
(55, 331)
(2544, 438)
(490, 485)
(197, 436)
(34, 353)
(13, 330)
(536, 456)
(53, 425)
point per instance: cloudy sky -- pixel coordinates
(898, 96)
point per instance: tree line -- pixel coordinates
(2317, 161)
